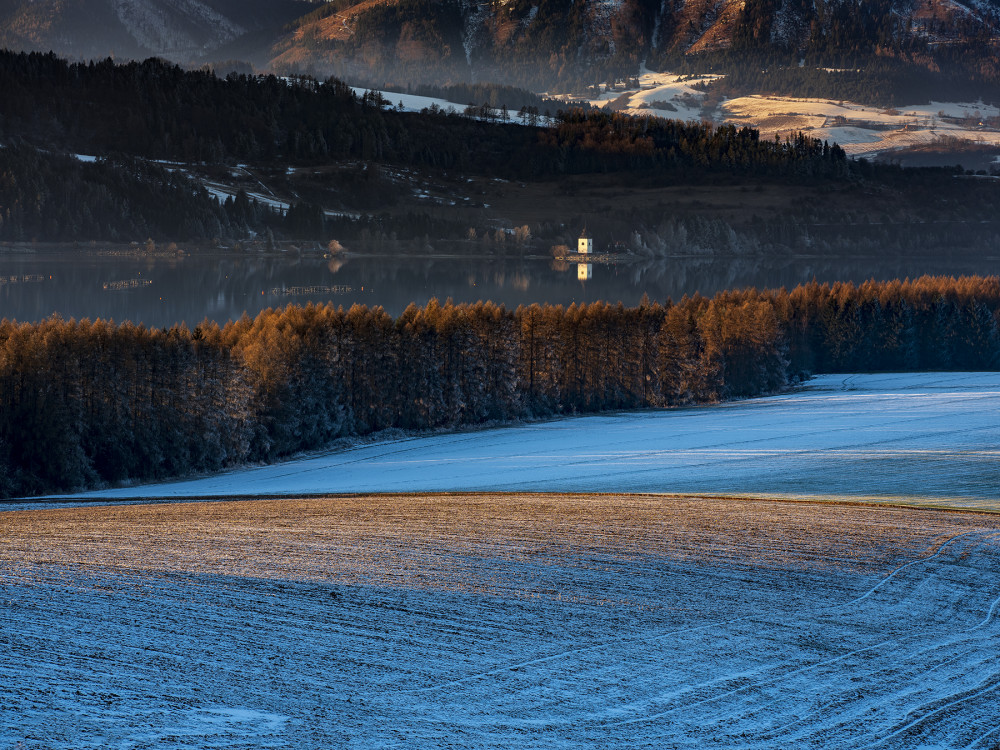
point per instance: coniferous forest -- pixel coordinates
(135, 115)
(56, 197)
(154, 110)
(91, 403)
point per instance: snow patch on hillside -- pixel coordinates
(666, 95)
(683, 102)
(412, 102)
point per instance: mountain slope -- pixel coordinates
(538, 43)
(181, 30)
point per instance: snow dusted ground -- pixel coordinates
(664, 95)
(922, 439)
(860, 130)
(499, 622)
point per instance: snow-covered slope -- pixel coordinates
(921, 438)
(544, 621)
(186, 26)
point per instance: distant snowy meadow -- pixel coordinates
(925, 439)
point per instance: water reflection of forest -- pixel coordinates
(220, 288)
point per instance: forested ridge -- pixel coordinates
(89, 403)
(57, 197)
(156, 110)
(48, 197)
(137, 113)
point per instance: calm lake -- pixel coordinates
(163, 289)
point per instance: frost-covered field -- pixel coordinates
(913, 438)
(499, 622)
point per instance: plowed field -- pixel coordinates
(482, 621)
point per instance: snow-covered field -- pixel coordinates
(861, 130)
(923, 439)
(499, 622)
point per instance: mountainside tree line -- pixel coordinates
(155, 110)
(875, 52)
(48, 197)
(86, 403)
(552, 43)
(870, 52)
(531, 44)
(53, 197)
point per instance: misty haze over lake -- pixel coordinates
(162, 290)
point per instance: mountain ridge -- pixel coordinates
(541, 43)
(536, 44)
(180, 30)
